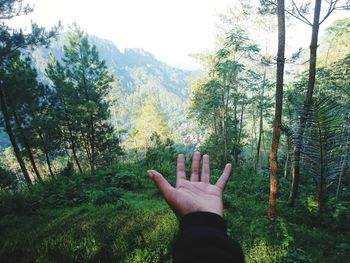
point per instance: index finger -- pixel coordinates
(180, 168)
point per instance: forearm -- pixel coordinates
(203, 238)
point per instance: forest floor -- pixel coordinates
(116, 215)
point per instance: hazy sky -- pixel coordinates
(169, 29)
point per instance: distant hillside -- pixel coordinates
(140, 75)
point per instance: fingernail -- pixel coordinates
(150, 173)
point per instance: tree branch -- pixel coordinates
(301, 16)
(331, 8)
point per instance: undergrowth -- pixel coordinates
(116, 215)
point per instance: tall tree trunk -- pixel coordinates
(48, 163)
(235, 120)
(92, 163)
(257, 161)
(261, 124)
(71, 138)
(86, 145)
(215, 126)
(91, 128)
(74, 150)
(27, 147)
(278, 111)
(307, 103)
(226, 100)
(287, 159)
(253, 135)
(9, 131)
(46, 153)
(288, 143)
(240, 132)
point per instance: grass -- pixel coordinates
(88, 233)
(77, 220)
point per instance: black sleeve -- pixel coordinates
(203, 239)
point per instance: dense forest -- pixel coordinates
(81, 123)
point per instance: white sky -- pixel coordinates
(169, 29)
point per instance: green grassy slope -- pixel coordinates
(91, 218)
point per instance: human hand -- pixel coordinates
(196, 194)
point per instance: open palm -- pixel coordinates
(196, 194)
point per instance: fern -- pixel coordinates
(324, 143)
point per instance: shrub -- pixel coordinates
(110, 195)
(66, 191)
(160, 151)
(126, 180)
(167, 169)
(342, 216)
(8, 179)
(68, 170)
(296, 256)
(15, 203)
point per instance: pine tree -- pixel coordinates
(11, 41)
(22, 93)
(82, 83)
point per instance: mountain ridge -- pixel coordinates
(140, 75)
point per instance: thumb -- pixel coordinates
(161, 183)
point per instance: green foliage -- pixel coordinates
(126, 180)
(20, 96)
(267, 7)
(105, 225)
(221, 100)
(8, 179)
(19, 77)
(334, 44)
(149, 122)
(82, 84)
(296, 256)
(11, 39)
(15, 204)
(88, 218)
(109, 195)
(62, 192)
(113, 213)
(341, 215)
(159, 151)
(67, 170)
(140, 75)
(324, 143)
(297, 236)
(324, 151)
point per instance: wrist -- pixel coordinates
(197, 220)
(207, 207)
